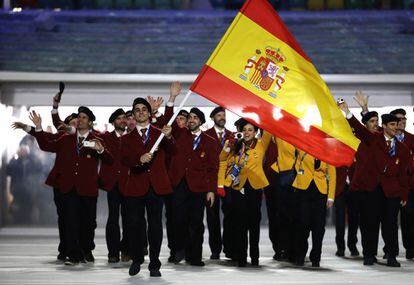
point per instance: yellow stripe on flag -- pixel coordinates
(303, 93)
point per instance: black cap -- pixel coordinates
(142, 101)
(216, 110)
(70, 118)
(183, 113)
(240, 123)
(115, 115)
(368, 116)
(388, 118)
(88, 112)
(199, 114)
(128, 113)
(398, 111)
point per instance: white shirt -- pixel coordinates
(118, 135)
(388, 139)
(139, 128)
(223, 132)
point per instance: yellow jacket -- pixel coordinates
(324, 176)
(285, 156)
(252, 170)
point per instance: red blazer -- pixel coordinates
(73, 170)
(409, 142)
(154, 173)
(199, 167)
(341, 174)
(51, 178)
(389, 172)
(115, 173)
(212, 133)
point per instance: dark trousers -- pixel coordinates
(80, 224)
(57, 198)
(113, 233)
(188, 214)
(375, 209)
(135, 208)
(309, 216)
(278, 205)
(407, 224)
(346, 210)
(214, 226)
(228, 230)
(246, 215)
(169, 223)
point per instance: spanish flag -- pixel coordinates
(259, 72)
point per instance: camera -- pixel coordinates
(238, 136)
(89, 144)
(340, 101)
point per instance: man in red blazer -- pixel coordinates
(407, 212)
(113, 178)
(385, 189)
(148, 183)
(220, 134)
(193, 172)
(77, 160)
(71, 120)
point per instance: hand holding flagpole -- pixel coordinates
(155, 146)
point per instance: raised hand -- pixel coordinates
(36, 119)
(18, 125)
(362, 100)
(175, 90)
(155, 103)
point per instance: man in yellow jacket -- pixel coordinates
(314, 192)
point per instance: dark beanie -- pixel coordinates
(368, 116)
(183, 113)
(199, 114)
(216, 110)
(398, 111)
(240, 123)
(142, 101)
(70, 118)
(115, 115)
(88, 112)
(388, 118)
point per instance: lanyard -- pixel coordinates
(223, 139)
(146, 135)
(196, 142)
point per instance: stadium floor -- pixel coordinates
(27, 256)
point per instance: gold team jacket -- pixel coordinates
(252, 170)
(324, 176)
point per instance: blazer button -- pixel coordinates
(189, 159)
(119, 171)
(149, 170)
(77, 164)
(76, 173)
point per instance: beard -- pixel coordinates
(221, 123)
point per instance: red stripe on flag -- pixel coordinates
(263, 14)
(224, 92)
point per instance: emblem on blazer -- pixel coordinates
(266, 71)
(203, 154)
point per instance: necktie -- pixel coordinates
(220, 135)
(80, 141)
(144, 134)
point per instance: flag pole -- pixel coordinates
(155, 146)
